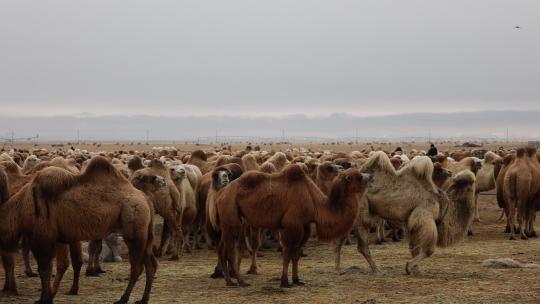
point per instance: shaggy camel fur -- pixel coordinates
(199, 159)
(522, 191)
(468, 163)
(250, 163)
(187, 200)
(367, 221)
(485, 178)
(166, 201)
(326, 172)
(289, 201)
(16, 180)
(500, 171)
(220, 178)
(409, 197)
(105, 200)
(279, 160)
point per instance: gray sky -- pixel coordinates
(268, 57)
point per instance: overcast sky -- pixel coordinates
(268, 57)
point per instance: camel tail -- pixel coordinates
(36, 194)
(513, 187)
(213, 215)
(4, 191)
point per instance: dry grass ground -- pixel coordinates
(452, 275)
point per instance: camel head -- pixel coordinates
(177, 172)
(329, 169)
(440, 174)
(147, 182)
(223, 175)
(349, 181)
(463, 181)
(221, 178)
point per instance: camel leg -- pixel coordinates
(337, 250)
(363, 248)
(522, 222)
(136, 258)
(44, 258)
(10, 285)
(298, 254)
(150, 265)
(295, 260)
(75, 251)
(510, 220)
(94, 251)
(531, 232)
(224, 247)
(380, 232)
(62, 264)
(235, 259)
(255, 242)
(501, 217)
(26, 258)
(476, 211)
(412, 265)
(165, 232)
(285, 272)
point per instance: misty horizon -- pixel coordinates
(493, 125)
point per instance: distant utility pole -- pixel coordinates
(216, 136)
(78, 137)
(282, 135)
(506, 135)
(356, 136)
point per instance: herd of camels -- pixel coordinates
(52, 201)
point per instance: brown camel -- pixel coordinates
(289, 201)
(166, 202)
(220, 178)
(409, 197)
(106, 201)
(16, 179)
(522, 191)
(500, 172)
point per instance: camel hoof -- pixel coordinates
(50, 301)
(243, 284)
(121, 302)
(512, 238)
(174, 258)
(524, 237)
(231, 284)
(285, 284)
(298, 282)
(92, 274)
(477, 220)
(252, 271)
(141, 302)
(469, 233)
(216, 275)
(30, 274)
(303, 255)
(9, 292)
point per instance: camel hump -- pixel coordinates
(100, 166)
(10, 166)
(420, 166)
(199, 154)
(464, 178)
(490, 157)
(525, 152)
(293, 173)
(135, 163)
(508, 159)
(52, 181)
